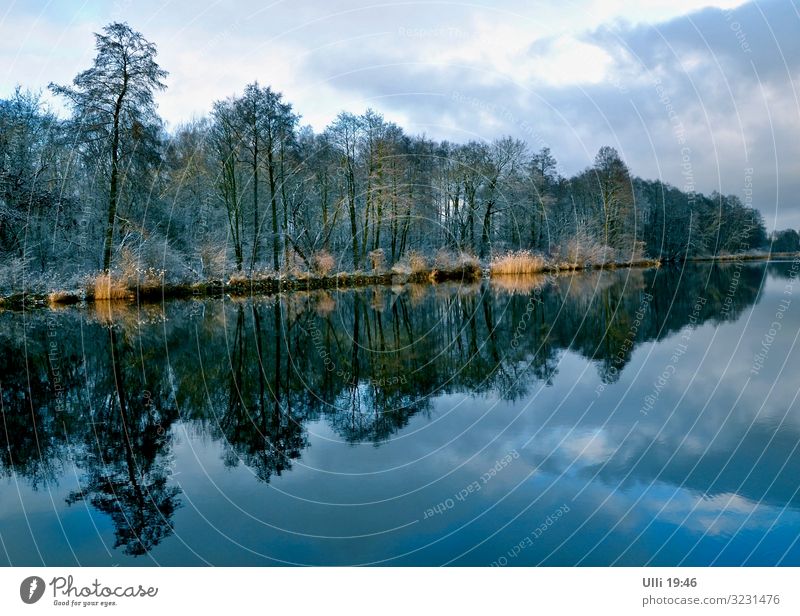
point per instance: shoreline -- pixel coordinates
(246, 287)
(271, 285)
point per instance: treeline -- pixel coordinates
(249, 189)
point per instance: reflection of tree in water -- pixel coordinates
(256, 427)
(364, 361)
(33, 443)
(127, 445)
(377, 396)
(599, 320)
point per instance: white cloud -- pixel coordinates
(568, 61)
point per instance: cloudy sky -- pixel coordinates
(699, 93)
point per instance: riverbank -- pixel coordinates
(104, 288)
(746, 256)
(526, 263)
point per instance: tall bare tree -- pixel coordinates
(344, 135)
(614, 198)
(113, 106)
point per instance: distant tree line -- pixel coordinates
(250, 188)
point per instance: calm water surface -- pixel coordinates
(627, 418)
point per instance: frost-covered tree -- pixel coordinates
(115, 113)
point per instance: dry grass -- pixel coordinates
(520, 262)
(322, 263)
(106, 287)
(62, 298)
(414, 267)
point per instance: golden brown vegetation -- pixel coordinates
(322, 263)
(106, 287)
(520, 262)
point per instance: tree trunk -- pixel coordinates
(113, 188)
(485, 230)
(256, 217)
(324, 200)
(351, 202)
(276, 245)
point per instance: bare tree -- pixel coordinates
(344, 135)
(615, 198)
(225, 142)
(113, 104)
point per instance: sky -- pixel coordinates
(702, 94)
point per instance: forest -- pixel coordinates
(103, 188)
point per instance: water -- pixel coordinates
(617, 418)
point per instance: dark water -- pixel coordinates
(601, 418)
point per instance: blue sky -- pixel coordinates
(690, 91)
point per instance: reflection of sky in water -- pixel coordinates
(707, 476)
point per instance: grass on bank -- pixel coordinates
(527, 263)
(107, 287)
(519, 263)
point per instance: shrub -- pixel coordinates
(213, 261)
(401, 269)
(12, 274)
(139, 269)
(377, 259)
(417, 262)
(451, 266)
(322, 263)
(238, 277)
(469, 266)
(445, 259)
(584, 250)
(294, 265)
(128, 264)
